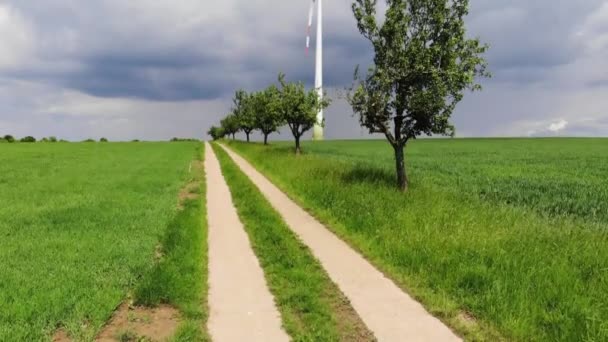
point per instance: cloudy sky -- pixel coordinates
(153, 69)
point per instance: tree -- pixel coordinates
(423, 63)
(244, 111)
(230, 125)
(216, 133)
(103, 140)
(268, 117)
(9, 138)
(299, 108)
(53, 139)
(28, 139)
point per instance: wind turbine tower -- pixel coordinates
(318, 129)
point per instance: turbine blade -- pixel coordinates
(311, 13)
(310, 16)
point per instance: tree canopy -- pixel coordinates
(299, 108)
(423, 64)
(268, 116)
(230, 125)
(216, 133)
(244, 111)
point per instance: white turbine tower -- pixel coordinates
(318, 129)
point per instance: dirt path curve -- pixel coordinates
(388, 312)
(241, 306)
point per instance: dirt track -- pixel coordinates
(390, 313)
(241, 306)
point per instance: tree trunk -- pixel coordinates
(232, 136)
(298, 149)
(247, 134)
(265, 138)
(402, 181)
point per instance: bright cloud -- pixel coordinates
(558, 126)
(15, 37)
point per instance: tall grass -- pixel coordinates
(179, 277)
(533, 268)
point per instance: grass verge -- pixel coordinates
(179, 278)
(311, 306)
(492, 270)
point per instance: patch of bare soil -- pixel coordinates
(61, 336)
(350, 325)
(140, 324)
(467, 319)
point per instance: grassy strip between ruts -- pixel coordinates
(312, 307)
(180, 276)
(492, 271)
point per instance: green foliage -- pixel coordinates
(244, 111)
(183, 139)
(305, 296)
(49, 139)
(216, 133)
(9, 138)
(511, 232)
(28, 139)
(272, 108)
(230, 125)
(103, 140)
(89, 140)
(268, 116)
(299, 108)
(423, 64)
(79, 225)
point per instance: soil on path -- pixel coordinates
(390, 313)
(241, 307)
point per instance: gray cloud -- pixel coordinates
(120, 68)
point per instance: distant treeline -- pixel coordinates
(30, 139)
(183, 139)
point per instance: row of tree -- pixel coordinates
(30, 139)
(288, 104)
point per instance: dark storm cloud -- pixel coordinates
(200, 64)
(183, 51)
(529, 38)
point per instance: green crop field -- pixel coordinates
(79, 226)
(500, 238)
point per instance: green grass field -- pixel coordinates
(79, 226)
(500, 238)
